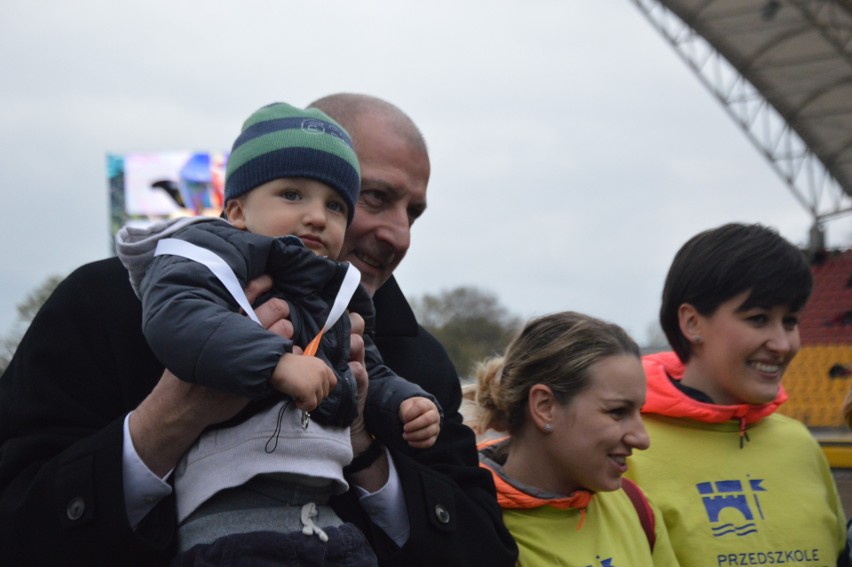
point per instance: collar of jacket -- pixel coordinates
(511, 496)
(665, 399)
(394, 316)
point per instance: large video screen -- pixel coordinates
(147, 187)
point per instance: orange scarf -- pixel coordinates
(511, 497)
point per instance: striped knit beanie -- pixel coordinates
(280, 140)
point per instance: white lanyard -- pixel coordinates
(177, 247)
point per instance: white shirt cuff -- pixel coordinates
(386, 506)
(142, 488)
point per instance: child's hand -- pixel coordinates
(306, 379)
(421, 422)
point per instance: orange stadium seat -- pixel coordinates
(815, 398)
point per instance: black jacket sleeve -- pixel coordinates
(80, 368)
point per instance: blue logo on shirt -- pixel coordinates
(735, 501)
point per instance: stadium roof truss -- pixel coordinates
(783, 71)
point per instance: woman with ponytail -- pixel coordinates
(568, 392)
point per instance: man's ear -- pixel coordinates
(541, 403)
(690, 321)
(235, 214)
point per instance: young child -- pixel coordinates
(292, 182)
(737, 483)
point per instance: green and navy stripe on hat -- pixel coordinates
(280, 140)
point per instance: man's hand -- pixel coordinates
(375, 476)
(422, 422)
(360, 438)
(274, 314)
(173, 415)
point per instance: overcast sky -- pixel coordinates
(572, 151)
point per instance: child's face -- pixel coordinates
(306, 208)
(743, 353)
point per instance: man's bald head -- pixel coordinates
(349, 108)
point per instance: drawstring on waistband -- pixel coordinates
(309, 512)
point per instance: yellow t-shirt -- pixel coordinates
(771, 502)
(611, 535)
